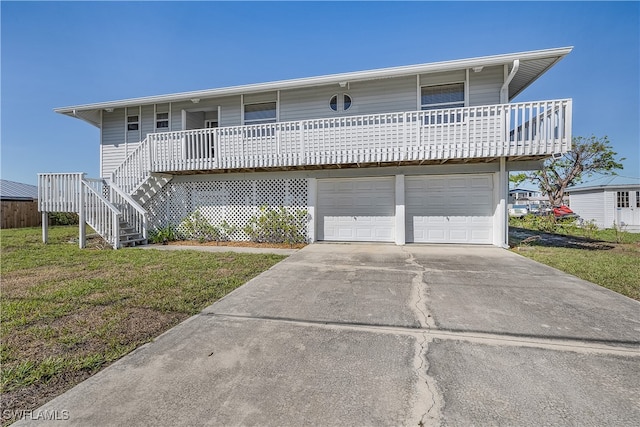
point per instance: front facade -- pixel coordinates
(408, 154)
(609, 202)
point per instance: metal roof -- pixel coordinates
(609, 181)
(532, 65)
(11, 190)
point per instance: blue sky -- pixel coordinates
(57, 54)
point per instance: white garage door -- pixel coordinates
(449, 209)
(356, 209)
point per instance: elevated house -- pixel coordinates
(417, 153)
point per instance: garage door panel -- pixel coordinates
(449, 209)
(356, 209)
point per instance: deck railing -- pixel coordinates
(520, 129)
(98, 203)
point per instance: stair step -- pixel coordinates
(133, 242)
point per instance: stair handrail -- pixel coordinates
(108, 226)
(139, 221)
(135, 169)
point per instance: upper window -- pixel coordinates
(637, 199)
(162, 120)
(622, 199)
(346, 102)
(264, 112)
(133, 122)
(442, 96)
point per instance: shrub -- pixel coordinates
(163, 235)
(197, 227)
(63, 218)
(277, 225)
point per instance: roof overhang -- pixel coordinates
(532, 65)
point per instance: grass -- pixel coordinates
(66, 312)
(609, 258)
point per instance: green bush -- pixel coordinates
(63, 218)
(277, 225)
(197, 227)
(163, 235)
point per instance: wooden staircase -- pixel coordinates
(129, 236)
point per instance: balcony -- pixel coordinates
(529, 130)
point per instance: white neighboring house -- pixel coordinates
(608, 200)
(417, 153)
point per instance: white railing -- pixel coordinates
(98, 203)
(132, 213)
(522, 129)
(134, 171)
(59, 192)
(100, 214)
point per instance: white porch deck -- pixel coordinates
(530, 129)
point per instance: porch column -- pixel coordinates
(503, 194)
(400, 214)
(82, 239)
(45, 227)
(312, 191)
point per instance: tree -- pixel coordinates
(588, 156)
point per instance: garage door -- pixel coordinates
(449, 209)
(356, 209)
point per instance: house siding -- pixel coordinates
(590, 206)
(112, 147)
(484, 87)
(368, 97)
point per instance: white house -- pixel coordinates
(607, 201)
(417, 153)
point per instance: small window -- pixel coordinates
(133, 122)
(637, 199)
(264, 112)
(442, 96)
(346, 102)
(333, 103)
(623, 199)
(162, 120)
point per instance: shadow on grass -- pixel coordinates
(524, 237)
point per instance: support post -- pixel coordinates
(45, 227)
(400, 213)
(503, 189)
(82, 239)
(312, 190)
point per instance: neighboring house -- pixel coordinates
(418, 153)
(19, 204)
(607, 201)
(521, 196)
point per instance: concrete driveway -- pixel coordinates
(371, 334)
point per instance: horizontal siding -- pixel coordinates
(589, 206)
(371, 97)
(442, 78)
(254, 98)
(112, 146)
(147, 120)
(484, 87)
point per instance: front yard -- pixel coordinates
(609, 258)
(67, 313)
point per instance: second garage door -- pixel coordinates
(449, 209)
(356, 209)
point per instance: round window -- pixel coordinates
(346, 102)
(333, 103)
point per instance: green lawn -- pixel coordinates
(67, 312)
(609, 258)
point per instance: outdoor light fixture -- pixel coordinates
(343, 84)
(109, 110)
(195, 100)
(477, 69)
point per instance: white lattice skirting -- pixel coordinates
(233, 201)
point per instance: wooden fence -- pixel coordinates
(20, 213)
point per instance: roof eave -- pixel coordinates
(381, 73)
